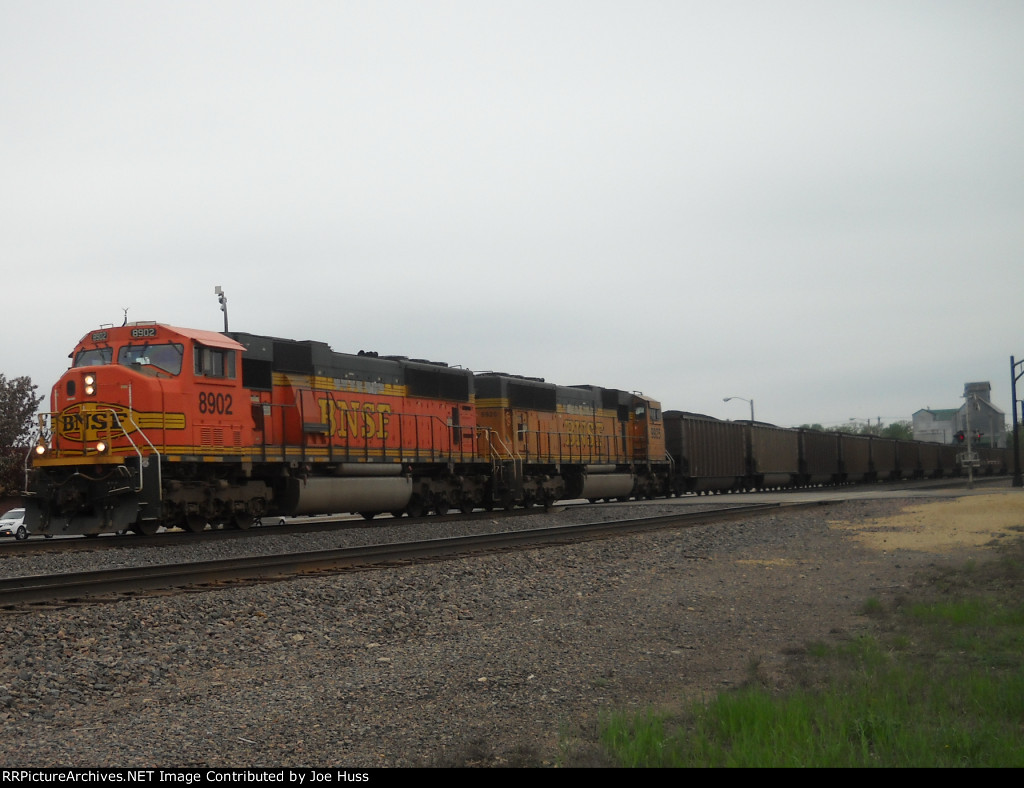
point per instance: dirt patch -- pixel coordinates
(943, 526)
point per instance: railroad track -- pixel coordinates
(302, 525)
(291, 527)
(114, 584)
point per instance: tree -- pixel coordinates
(900, 430)
(858, 428)
(18, 404)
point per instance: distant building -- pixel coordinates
(979, 415)
(935, 426)
(976, 415)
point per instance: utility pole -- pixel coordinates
(1018, 479)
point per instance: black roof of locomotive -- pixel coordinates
(265, 355)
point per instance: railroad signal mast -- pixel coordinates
(969, 458)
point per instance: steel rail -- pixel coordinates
(16, 591)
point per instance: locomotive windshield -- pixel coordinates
(165, 357)
(94, 357)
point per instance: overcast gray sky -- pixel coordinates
(816, 205)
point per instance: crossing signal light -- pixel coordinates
(960, 436)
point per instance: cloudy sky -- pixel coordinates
(817, 205)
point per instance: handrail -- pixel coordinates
(50, 416)
(509, 455)
(156, 451)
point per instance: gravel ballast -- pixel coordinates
(499, 659)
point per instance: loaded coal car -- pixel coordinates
(820, 461)
(949, 461)
(774, 456)
(992, 461)
(708, 455)
(909, 460)
(931, 459)
(884, 462)
(855, 458)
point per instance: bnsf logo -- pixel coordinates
(76, 424)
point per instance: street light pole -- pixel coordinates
(744, 399)
(222, 297)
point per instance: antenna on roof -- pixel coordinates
(125, 316)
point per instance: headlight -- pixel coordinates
(101, 447)
(90, 384)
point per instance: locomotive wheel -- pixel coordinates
(415, 507)
(195, 524)
(146, 527)
(242, 521)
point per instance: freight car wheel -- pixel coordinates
(369, 515)
(195, 524)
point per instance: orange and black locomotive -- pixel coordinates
(155, 426)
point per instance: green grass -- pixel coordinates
(938, 681)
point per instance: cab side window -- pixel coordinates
(212, 362)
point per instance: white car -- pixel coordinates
(12, 523)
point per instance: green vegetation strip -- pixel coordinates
(938, 680)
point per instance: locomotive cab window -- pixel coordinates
(213, 362)
(94, 357)
(163, 357)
